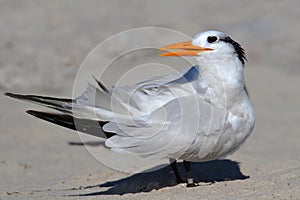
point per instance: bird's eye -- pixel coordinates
(212, 39)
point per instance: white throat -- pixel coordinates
(224, 77)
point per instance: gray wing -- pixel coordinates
(167, 115)
(160, 117)
(170, 131)
(138, 100)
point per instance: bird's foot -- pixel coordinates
(191, 183)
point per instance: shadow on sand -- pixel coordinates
(207, 172)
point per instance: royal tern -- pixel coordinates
(199, 114)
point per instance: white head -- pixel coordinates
(209, 45)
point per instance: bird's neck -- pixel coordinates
(225, 80)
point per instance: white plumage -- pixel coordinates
(200, 114)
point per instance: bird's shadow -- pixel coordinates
(207, 172)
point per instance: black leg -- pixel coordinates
(174, 167)
(190, 180)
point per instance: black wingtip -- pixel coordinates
(40, 115)
(32, 112)
(52, 102)
(12, 95)
(18, 96)
(87, 126)
(47, 116)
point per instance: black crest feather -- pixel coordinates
(238, 48)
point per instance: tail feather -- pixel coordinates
(87, 126)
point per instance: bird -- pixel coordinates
(198, 114)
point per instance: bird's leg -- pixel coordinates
(175, 170)
(190, 180)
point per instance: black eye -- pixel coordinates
(212, 39)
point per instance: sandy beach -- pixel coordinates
(43, 44)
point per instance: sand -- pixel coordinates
(43, 43)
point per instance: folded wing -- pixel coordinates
(156, 117)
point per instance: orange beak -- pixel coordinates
(183, 49)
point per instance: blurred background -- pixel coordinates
(43, 43)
